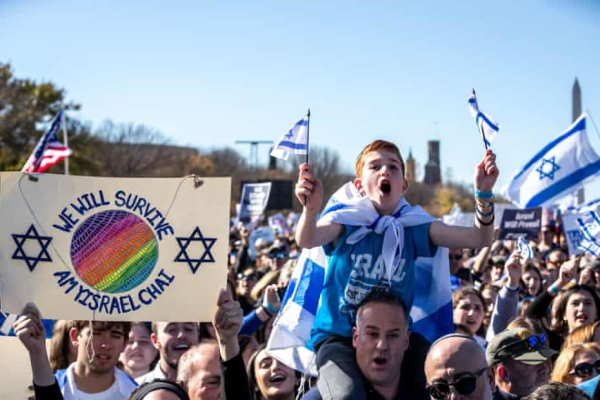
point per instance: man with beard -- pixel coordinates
(521, 362)
(93, 375)
(171, 339)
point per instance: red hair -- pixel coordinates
(377, 145)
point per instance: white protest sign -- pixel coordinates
(113, 249)
(572, 232)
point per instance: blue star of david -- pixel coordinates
(183, 255)
(544, 173)
(43, 241)
(289, 135)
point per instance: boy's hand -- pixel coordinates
(30, 330)
(486, 172)
(309, 190)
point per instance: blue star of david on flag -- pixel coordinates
(551, 164)
(31, 260)
(206, 257)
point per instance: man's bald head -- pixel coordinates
(199, 371)
(454, 357)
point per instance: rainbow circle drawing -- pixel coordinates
(114, 251)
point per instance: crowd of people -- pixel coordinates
(523, 327)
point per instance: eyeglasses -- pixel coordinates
(586, 369)
(277, 255)
(455, 257)
(249, 277)
(465, 386)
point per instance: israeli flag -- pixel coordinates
(523, 246)
(289, 339)
(295, 141)
(432, 307)
(589, 223)
(484, 122)
(562, 166)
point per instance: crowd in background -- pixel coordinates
(549, 305)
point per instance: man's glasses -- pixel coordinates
(465, 386)
(249, 277)
(586, 369)
(455, 257)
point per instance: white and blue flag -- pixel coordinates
(590, 227)
(484, 122)
(562, 166)
(295, 141)
(526, 252)
(432, 307)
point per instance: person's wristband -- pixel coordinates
(553, 289)
(266, 310)
(271, 310)
(483, 195)
(484, 223)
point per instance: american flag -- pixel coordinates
(49, 150)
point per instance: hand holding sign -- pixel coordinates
(30, 330)
(228, 318)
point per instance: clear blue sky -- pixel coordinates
(209, 73)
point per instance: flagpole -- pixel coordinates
(66, 140)
(307, 146)
(307, 134)
(481, 128)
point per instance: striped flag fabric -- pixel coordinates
(590, 227)
(526, 252)
(295, 141)
(484, 122)
(431, 312)
(558, 169)
(49, 150)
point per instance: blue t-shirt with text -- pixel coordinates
(356, 270)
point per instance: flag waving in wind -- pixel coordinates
(49, 150)
(487, 127)
(295, 141)
(589, 223)
(562, 166)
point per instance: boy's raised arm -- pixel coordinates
(309, 192)
(486, 174)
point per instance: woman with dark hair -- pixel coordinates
(531, 281)
(270, 379)
(575, 307)
(469, 310)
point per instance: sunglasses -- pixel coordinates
(250, 277)
(277, 255)
(585, 369)
(465, 386)
(455, 257)
(534, 341)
